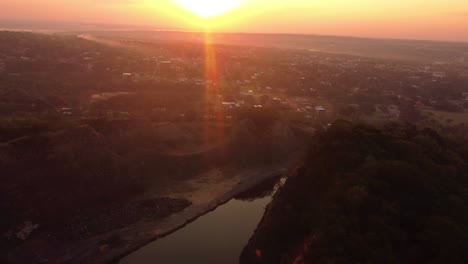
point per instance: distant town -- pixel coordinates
(306, 86)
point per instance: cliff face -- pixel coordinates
(363, 195)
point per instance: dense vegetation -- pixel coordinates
(365, 195)
(75, 179)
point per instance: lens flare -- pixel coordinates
(212, 93)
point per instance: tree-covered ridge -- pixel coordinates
(364, 195)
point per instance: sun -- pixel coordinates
(209, 8)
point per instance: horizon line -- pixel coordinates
(145, 27)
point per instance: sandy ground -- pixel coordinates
(204, 188)
(206, 192)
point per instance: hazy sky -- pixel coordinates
(418, 19)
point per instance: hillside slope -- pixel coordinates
(364, 195)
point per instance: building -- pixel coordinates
(229, 104)
(439, 74)
(320, 109)
(66, 111)
(320, 112)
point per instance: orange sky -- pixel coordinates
(417, 19)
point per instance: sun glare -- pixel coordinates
(209, 8)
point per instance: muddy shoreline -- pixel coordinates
(97, 250)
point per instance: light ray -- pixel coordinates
(212, 93)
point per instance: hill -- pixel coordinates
(367, 195)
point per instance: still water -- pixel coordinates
(215, 238)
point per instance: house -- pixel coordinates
(439, 74)
(66, 111)
(320, 112)
(228, 104)
(320, 108)
(131, 76)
